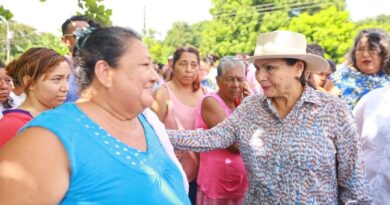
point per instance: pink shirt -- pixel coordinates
(11, 123)
(181, 117)
(222, 173)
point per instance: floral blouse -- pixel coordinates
(312, 156)
(355, 84)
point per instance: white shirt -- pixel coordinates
(372, 116)
(18, 100)
(1, 110)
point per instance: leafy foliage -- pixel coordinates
(233, 29)
(7, 14)
(330, 28)
(181, 34)
(95, 10)
(25, 37)
(381, 21)
(159, 51)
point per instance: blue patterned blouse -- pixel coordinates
(312, 156)
(354, 84)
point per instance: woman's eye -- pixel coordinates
(269, 67)
(56, 80)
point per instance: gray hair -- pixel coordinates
(229, 62)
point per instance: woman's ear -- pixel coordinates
(218, 80)
(103, 73)
(27, 82)
(300, 67)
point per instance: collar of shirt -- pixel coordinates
(309, 95)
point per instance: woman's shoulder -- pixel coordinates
(14, 114)
(331, 103)
(161, 92)
(377, 96)
(210, 100)
(253, 103)
(343, 71)
(63, 113)
(13, 120)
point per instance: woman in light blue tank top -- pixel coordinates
(105, 150)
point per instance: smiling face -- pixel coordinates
(50, 89)
(277, 78)
(368, 59)
(133, 78)
(186, 68)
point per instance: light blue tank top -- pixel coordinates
(106, 171)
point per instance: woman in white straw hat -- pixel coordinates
(299, 146)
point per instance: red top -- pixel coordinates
(11, 123)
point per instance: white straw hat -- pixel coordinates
(287, 44)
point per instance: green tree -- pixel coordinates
(294, 8)
(7, 14)
(157, 48)
(237, 23)
(180, 34)
(233, 28)
(330, 28)
(25, 37)
(381, 21)
(95, 10)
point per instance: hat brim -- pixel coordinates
(314, 63)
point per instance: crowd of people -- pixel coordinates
(108, 125)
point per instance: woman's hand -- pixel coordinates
(331, 88)
(245, 90)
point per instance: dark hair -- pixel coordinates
(94, 24)
(34, 63)
(64, 25)
(315, 49)
(377, 39)
(176, 56)
(107, 44)
(159, 65)
(211, 59)
(9, 68)
(332, 65)
(293, 61)
(9, 102)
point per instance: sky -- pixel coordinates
(160, 14)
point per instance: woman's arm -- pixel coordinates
(160, 106)
(351, 175)
(220, 136)
(34, 169)
(213, 113)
